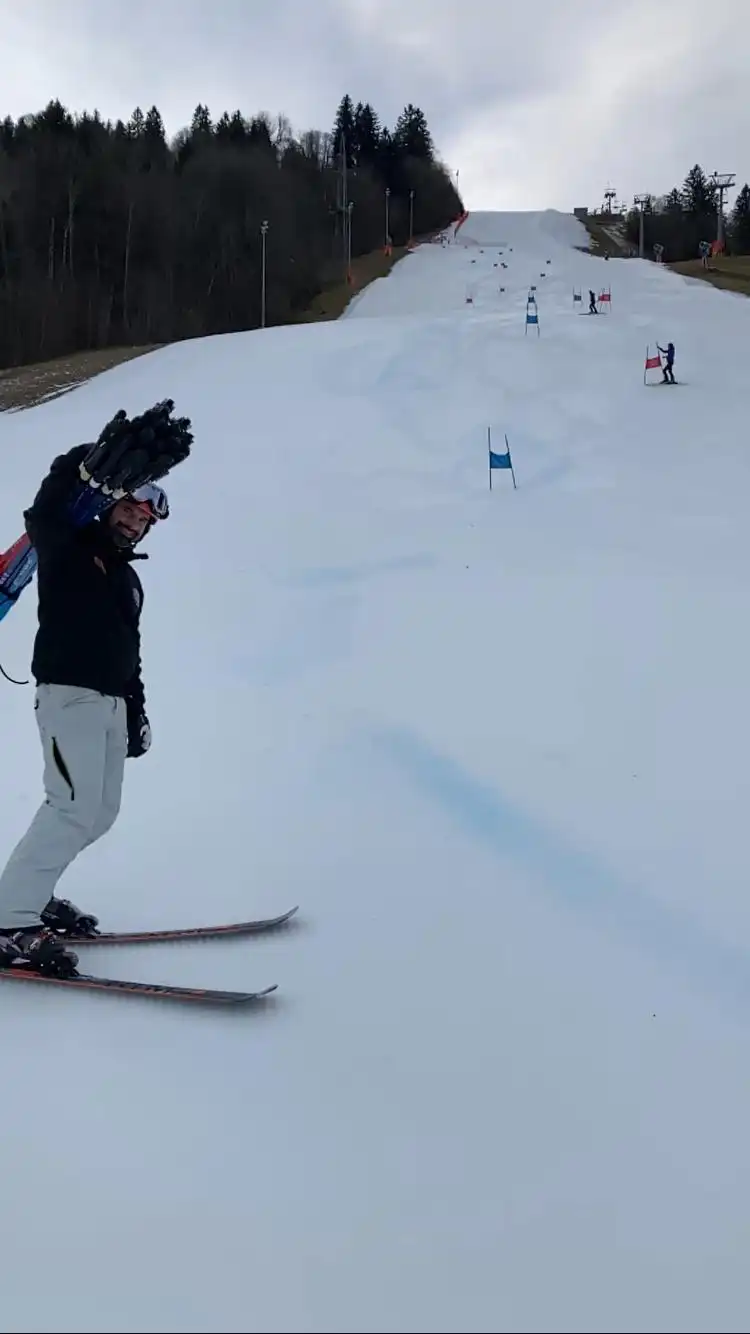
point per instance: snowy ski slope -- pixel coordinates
(496, 746)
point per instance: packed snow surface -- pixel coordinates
(495, 744)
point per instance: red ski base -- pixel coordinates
(251, 928)
(151, 990)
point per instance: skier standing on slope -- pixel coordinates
(90, 701)
(667, 369)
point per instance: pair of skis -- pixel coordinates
(17, 569)
(157, 990)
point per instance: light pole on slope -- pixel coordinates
(263, 233)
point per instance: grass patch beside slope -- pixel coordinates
(602, 240)
(25, 386)
(333, 300)
(730, 272)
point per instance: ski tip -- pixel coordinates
(213, 996)
(239, 997)
(259, 995)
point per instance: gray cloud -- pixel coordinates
(538, 104)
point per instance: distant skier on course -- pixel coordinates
(667, 368)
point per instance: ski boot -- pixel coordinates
(39, 950)
(65, 919)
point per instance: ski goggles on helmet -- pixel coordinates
(153, 498)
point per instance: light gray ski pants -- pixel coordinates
(85, 742)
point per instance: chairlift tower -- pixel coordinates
(640, 202)
(721, 181)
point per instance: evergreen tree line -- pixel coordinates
(111, 235)
(682, 219)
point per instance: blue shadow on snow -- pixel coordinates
(573, 876)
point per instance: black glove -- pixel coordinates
(139, 734)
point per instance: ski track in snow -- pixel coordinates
(495, 745)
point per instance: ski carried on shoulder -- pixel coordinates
(147, 990)
(250, 928)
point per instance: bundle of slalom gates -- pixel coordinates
(128, 454)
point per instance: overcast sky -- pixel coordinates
(537, 103)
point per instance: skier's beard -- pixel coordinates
(122, 539)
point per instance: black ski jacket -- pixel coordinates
(90, 597)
